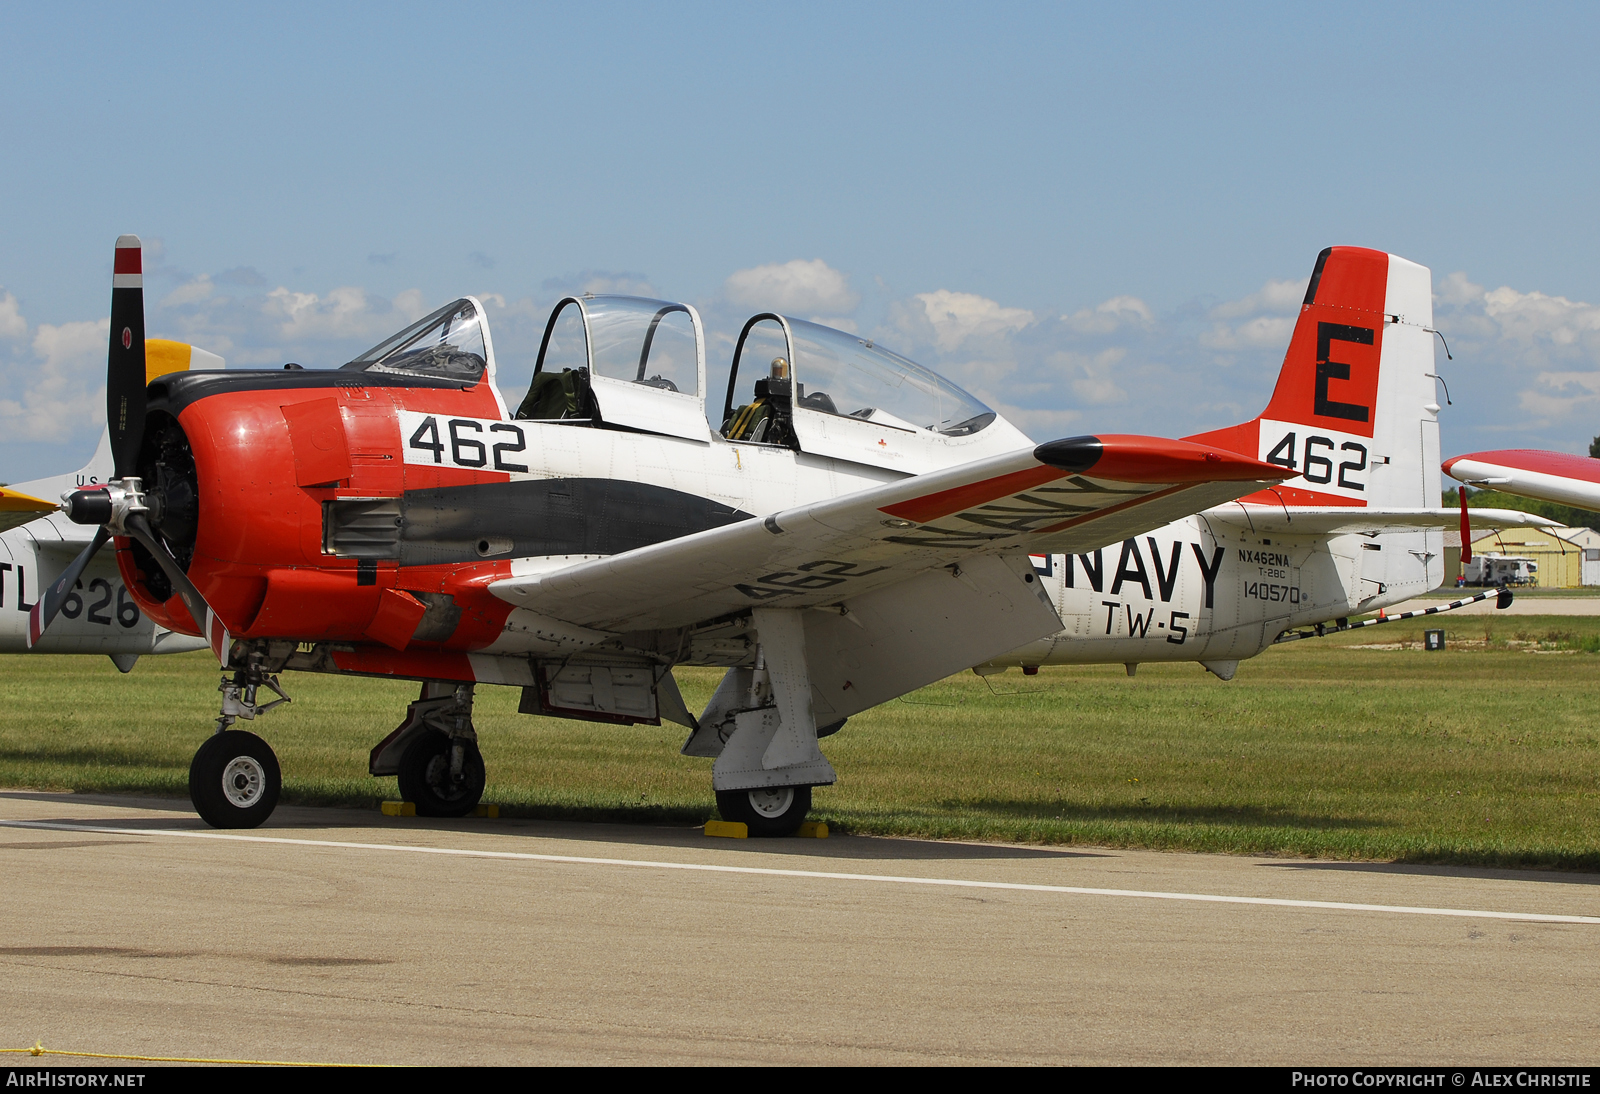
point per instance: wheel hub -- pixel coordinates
(446, 784)
(243, 781)
(772, 801)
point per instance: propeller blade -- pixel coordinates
(210, 623)
(45, 608)
(125, 376)
(1466, 528)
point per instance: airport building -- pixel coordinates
(1567, 557)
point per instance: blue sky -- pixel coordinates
(1094, 217)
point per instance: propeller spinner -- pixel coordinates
(119, 507)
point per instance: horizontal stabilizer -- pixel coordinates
(1335, 519)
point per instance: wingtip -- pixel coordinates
(1130, 458)
(1076, 454)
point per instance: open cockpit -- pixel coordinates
(621, 361)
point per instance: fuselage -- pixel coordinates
(1202, 590)
(432, 491)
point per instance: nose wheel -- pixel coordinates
(769, 811)
(234, 780)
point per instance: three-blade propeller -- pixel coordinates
(119, 507)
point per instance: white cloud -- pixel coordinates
(797, 287)
(64, 389)
(1274, 296)
(955, 317)
(1111, 316)
(1094, 381)
(189, 292)
(1262, 332)
(1041, 423)
(1264, 320)
(12, 325)
(343, 313)
(1456, 290)
(1536, 317)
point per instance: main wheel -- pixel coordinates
(234, 780)
(431, 778)
(770, 811)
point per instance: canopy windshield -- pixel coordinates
(851, 377)
(649, 342)
(449, 343)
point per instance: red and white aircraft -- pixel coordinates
(857, 528)
(1548, 476)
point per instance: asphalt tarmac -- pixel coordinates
(335, 935)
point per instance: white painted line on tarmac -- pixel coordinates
(827, 875)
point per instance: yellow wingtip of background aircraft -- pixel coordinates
(162, 356)
(15, 501)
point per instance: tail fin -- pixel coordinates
(1354, 410)
(161, 357)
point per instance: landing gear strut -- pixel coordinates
(234, 779)
(435, 752)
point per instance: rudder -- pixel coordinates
(1353, 409)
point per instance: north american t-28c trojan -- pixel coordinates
(859, 527)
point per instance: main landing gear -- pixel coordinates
(443, 776)
(761, 727)
(769, 811)
(435, 752)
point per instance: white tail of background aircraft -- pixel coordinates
(37, 542)
(1355, 412)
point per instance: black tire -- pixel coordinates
(234, 780)
(425, 776)
(771, 811)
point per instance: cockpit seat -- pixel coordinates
(750, 422)
(558, 395)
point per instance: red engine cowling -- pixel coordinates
(240, 469)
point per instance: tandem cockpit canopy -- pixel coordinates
(833, 393)
(622, 361)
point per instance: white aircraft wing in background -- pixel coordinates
(1549, 476)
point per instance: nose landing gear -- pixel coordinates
(234, 780)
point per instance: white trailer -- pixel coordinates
(1501, 570)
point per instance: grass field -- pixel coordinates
(1486, 753)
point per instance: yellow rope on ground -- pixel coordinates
(38, 1049)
